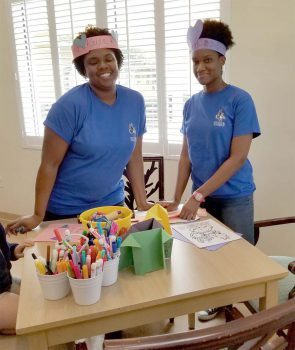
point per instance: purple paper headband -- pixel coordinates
(83, 45)
(196, 43)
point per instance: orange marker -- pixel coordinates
(57, 235)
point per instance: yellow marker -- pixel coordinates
(70, 271)
(85, 271)
(59, 267)
(63, 265)
(40, 267)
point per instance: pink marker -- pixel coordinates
(77, 272)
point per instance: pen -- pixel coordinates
(54, 260)
(70, 270)
(93, 270)
(88, 263)
(114, 228)
(47, 266)
(119, 242)
(57, 235)
(49, 270)
(77, 272)
(40, 267)
(59, 267)
(34, 256)
(99, 266)
(83, 257)
(99, 228)
(85, 271)
(75, 256)
(43, 261)
(114, 248)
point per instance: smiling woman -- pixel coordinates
(92, 133)
(218, 127)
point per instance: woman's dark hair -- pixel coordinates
(219, 31)
(94, 31)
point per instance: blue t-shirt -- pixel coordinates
(101, 140)
(211, 120)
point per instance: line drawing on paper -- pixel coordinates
(206, 233)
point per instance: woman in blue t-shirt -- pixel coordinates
(92, 133)
(219, 124)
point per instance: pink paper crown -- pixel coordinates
(196, 43)
(83, 45)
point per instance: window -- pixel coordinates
(152, 36)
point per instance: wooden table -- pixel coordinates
(195, 279)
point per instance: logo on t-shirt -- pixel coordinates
(132, 132)
(220, 118)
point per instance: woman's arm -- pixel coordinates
(238, 154)
(135, 172)
(184, 171)
(53, 151)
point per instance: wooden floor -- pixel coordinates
(180, 323)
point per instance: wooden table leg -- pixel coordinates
(191, 321)
(271, 296)
(38, 341)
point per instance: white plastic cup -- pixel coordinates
(54, 287)
(86, 291)
(110, 271)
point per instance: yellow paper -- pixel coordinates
(160, 214)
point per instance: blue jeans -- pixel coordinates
(236, 213)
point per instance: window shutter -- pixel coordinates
(134, 21)
(34, 62)
(180, 81)
(71, 17)
(152, 37)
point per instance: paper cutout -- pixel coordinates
(81, 42)
(47, 235)
(193, 34)
(160, 214)
(180, 237)
(146, 250)
(206, 233)
(143, 226)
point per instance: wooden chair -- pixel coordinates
(286, 285)
(153, 179)
(271, 222)
(250, 333)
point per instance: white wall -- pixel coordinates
(262, 62)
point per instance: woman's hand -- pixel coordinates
(189, 209)
(19, 249)
(145, 206)
(23, 224)
(169, 205)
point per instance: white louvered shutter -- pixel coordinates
(152, 37)
(135, 23)
(34, 62)
(180, 81)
